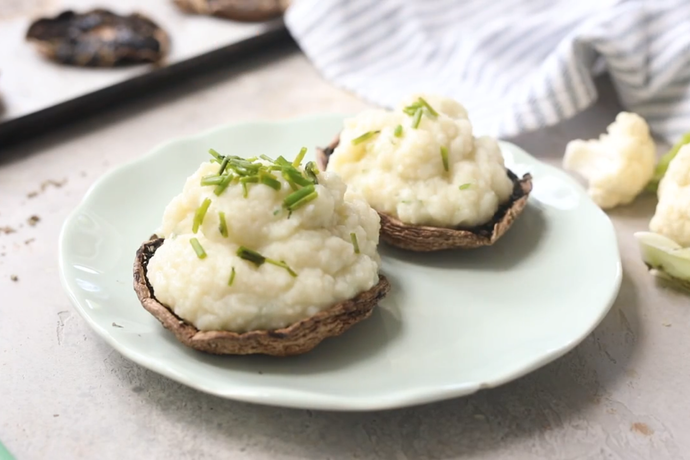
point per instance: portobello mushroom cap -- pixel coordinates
(295, 339)
(422, 238)
(238, 10)
(99, 38)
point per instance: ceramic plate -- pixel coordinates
(455, 322)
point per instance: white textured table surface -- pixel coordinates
(622, 394)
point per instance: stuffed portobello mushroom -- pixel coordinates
(261, 256)
(434, 185)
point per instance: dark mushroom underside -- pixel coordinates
(295, 339)
(99, 38)
(237, 10)
(422, 238)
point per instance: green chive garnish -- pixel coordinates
(353, 237)
(428, 107)
(223, 165)
(282, 264)
(216, 155)
(364, 137)
(258, 260)
(276, 212)
(412, 109)
(300, 157)
(200, 253)
(444, 157)
(300, 197)
(294, 177)
(200, 214)
(398, 131)
(465, 186)
(417, 118)
(232, 276)
(270, 181)
(311, 197)
(252, 256)
(211, 180)
(245, 190)
(220, 188)
(311, 171)
(222, 226)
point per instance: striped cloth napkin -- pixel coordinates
(517, 65)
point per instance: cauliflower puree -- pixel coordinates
(401, 170)
(315, 242)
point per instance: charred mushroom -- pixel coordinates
(204, 284)
(425, 238)
(238, 10)
(99, 38)
(295, 339)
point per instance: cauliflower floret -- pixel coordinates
(672, 217)
(619, 164)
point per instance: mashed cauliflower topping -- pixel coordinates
(314, 241)
(401, 172)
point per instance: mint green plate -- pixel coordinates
(455, 322)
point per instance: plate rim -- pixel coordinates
(305, 399)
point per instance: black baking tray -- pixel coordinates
(39, 122)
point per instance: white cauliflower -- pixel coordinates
(672, 217)
(619, 164)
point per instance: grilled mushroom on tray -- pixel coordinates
(238, 10)
(99, 38)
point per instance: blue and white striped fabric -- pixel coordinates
(517, 65)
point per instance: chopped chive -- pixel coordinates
(428, 107)
(215, 155)
(270, 181)
(353, 237)
(293, 176)
(267, 158)
(398, 131)
(282, 264)
(232, 276)
(282, 161)
(249, 180)
(252, 159)
(223, 225)
(276, 212)
(364, 137)
(252, 256)
(311, 197)
(220, 188)
(200, 253)
(311, 171)
(417, 118)
(444, 157)
(412, 108)
(200, 214)
(211, 180)
(292, 199)
(300, 157)
(245, 190)
(465, 186)
(223, 165)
